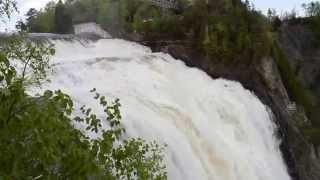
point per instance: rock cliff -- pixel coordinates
(265, 80)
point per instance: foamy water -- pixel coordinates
(214, 129)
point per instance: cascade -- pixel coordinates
(213, 129)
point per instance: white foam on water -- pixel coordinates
(214, 129)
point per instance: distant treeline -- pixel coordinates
(52, 19)
(226, 31)
(110, 14)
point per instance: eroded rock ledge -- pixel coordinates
(264, 80)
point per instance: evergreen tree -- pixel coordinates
(6, 7)
(21, 26)
(63, 21)
(38, 139)
(312, 9)
(32, 25)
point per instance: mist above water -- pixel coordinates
(214, 129)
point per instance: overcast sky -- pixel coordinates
(280, 5)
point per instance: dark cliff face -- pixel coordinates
(298, 43)
(302, 50)
(264, 80)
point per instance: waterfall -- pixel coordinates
(213, 129)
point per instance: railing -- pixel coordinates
(166, 4)
(292, 108)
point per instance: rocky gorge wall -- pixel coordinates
(264, 79)
(301, 47)
(299, 44)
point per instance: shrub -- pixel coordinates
(37, 136)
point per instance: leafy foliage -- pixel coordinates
(39, 21)
(312, 11)
(7, 7)
(236, 33)
(154, 25)
(54, 18)
(296, 89)
(312, 8)
(301, 95)
(227, 31)
(113, 15)
(38, 139)
(32, 57)
(63, 21)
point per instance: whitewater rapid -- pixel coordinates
(214, 129)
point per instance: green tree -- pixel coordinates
(63, 21)
(37, 134)
(236, 32)
(46, 18)
(312, 9)
(37, 138)
(40, 21)
(31, 23)
(21, 26)
(7, 7)
(196, 18)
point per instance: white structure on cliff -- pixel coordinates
(292, 108)
(166, 4)
(90, 28)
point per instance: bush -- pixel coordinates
(237, 35)
(37, 136)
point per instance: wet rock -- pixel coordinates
(264, 79)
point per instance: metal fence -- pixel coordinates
(166, 4)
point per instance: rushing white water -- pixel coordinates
(214, 129)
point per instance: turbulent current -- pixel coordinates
(214, 129)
